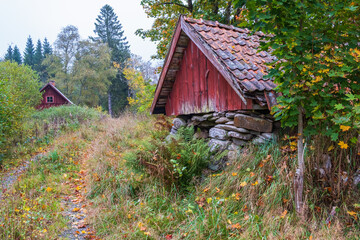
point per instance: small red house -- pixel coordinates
(52, 97)
(212, 67)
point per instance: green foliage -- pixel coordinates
(91, 73)
(166, 14)
(179, 161)
(19, 94)
(109, 31)
(17, 55)
(142, 90)
(29, 53)
(9, 54)
(38, 57)
(318, 42)
(47, 49)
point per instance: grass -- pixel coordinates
(33, 208)
(42, 127)
(250, 199)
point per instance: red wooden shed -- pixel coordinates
(52, 97)
(212, 67)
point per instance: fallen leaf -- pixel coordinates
(48, 189)
(235, 226)
(234, 174)
(76, 209)
(243, 184)
(353, 214)
(283, 214)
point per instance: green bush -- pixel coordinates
(179, 161)
(19, 94)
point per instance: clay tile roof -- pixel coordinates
(237, 50)
(233, 51)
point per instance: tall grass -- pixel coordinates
(43, 126)
(250, 199)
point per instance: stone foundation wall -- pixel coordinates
(229, 130)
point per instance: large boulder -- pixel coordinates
(218, 133)
(253, 123)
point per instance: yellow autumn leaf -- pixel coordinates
(243, 184)
(234, 174)
(44, 230)
(208, 200)
(255, 183)
(76, 209)
(344, 128)
(353, 214)
(343, 145)
(330, 148)
(48, 189)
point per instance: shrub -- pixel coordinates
(19, 94)
(179, 161)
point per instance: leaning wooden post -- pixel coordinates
(299, 174)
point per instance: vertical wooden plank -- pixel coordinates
(203, 80)
(195, 77)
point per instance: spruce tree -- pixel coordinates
(109, 30)
(47, 49)
(38, 57)
(29, 53)
(17, 55)
(9, 54)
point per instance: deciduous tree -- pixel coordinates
(166, 14)
(65, 49)
(317, 72)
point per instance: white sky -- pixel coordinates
(46, 18)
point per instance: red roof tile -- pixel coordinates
(237, 50)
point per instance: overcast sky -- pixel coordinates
(46, 18)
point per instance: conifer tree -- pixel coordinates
(17, 55)
(109, 30)
(38, 57)
(29, 53)
(9, 54)
(47, 49)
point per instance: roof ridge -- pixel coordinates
(217, 24)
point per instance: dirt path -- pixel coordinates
(75, 211)
(9, 178)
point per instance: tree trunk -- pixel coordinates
(190, 6)
(299, 174)
(109, 104)
(228, 12)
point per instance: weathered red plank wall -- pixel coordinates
(200, 88)
(58, 99)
